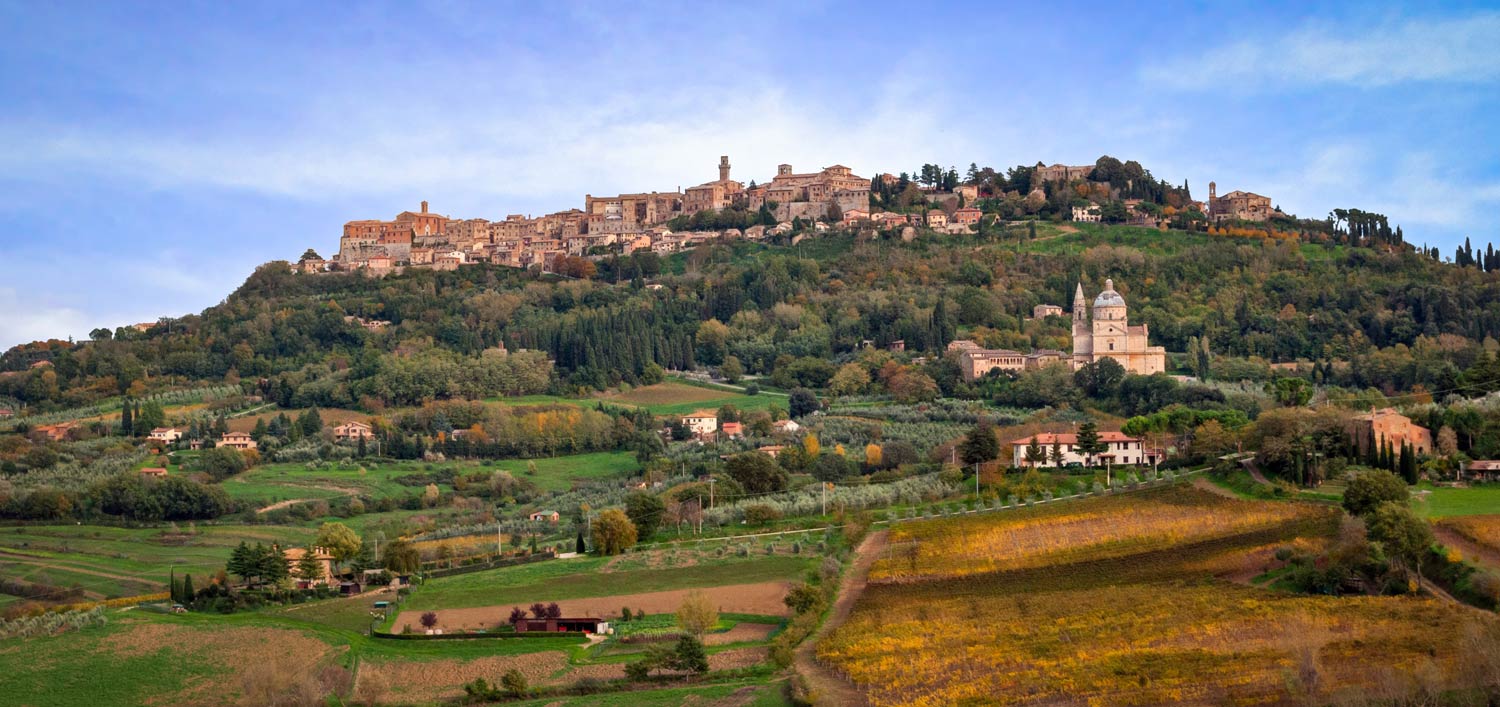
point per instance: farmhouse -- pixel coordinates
(546, 516)
(771, 450)
(785, 427)
(702, 422)
(352, 431)
(1386, 426)
(165, 434)
(1042, 311)
(1120, 449)
(236, 440)
(1483, 469)
(733, 429)
(154, 472)
(294, 555)
(57, 432)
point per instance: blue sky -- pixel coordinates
(153, 153)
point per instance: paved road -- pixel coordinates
(827, 685)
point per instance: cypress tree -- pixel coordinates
(127, 421)
(187, 589)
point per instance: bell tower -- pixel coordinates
(1083, 334)
(724, 168)
(1213, 195)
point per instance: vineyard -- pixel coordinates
(1481, 530)
(1135, 616)
(166, 399)
(1088, 530)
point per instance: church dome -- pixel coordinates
(1109, 298)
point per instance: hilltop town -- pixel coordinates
(791, 205)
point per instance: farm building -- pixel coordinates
(236, 440)
(352, 431)
(702, 422)
(581, 625)
(1120, 449)
(547, 516)
(1482, 469)
(154, 472)
(165, 434)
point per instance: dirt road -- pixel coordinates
(826, 684)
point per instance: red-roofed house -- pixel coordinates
(1121, 449)
(733, 429)
(352, 431)
(154, 472)
(236, 440)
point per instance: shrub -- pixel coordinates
(514, 681)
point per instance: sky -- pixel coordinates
(152, 154)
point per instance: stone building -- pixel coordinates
(713, 196)
(1105, 332)
(1386, 426)
(1059, 173)
(809, 195)
(1238, 205)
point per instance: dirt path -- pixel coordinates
(829, 687)
(1470, 549)
(283, 504)
(1213, 488)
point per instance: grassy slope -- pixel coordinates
(136, 560)
(578, 578)
(1448, 502)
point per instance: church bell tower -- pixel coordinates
(724, 168)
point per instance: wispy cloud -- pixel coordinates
(1458, 50)
(22, 320)
(561, 149)
(1415, 189)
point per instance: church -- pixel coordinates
(1105, 332)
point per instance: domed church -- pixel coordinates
(1105, 332)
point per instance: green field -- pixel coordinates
(680, 398)
(1448, 502)
(113, 562)
(582, 577)
(753, 692)
(559, 473)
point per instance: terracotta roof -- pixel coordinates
(1047, 438)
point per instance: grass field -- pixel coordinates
(595, 577)
(1443, 502)
(679, 398)
(559, 473)
(113, 562)
(1144, 624)
(272, 483)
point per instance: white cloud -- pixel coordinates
(1449, 50)
(24, 319)
(557, 149)
(1430, 198)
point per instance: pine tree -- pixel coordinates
(241, 563)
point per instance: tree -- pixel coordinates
(187, 588)
(980, 445)
(241, 562)
(1403, 535)
(697, 614)
(401, 557)
(830, 467)
(1034, 453)
(514, 682)
(872, 456)
(851, 379)
(579, 546)
(1088, 442)
(732, 369)
(1291, 392)
(802, 403)
(689, 655)
(341, 543)
(1057, 452)
(645, 511)
(613, 532)
(429, 619)
(308, 567)
(811, 445)
(1371, 488)
(756, 472)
